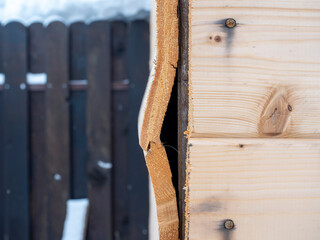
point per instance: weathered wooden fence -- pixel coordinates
(74, 136)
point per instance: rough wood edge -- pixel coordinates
(189, 127)
(162, 80)
(165, 195)
(153, 109)
(183, 101)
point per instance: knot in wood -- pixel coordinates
(277, 114)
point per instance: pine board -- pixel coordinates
(270, 188)
(260, 78)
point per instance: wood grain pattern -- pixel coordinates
(270, 188)
(153, 108)
(260, 78)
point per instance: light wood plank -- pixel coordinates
(260, 78)
(270, 188)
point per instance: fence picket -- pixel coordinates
(15, 121)
(120, 124)
(78, 111)
(1, 145)
(38, 171)
(57, 127)
(99, 130)
(138, 71)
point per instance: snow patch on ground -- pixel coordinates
(76, 219)
(69, 10)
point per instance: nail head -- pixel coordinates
(229, 224)
(231, 23)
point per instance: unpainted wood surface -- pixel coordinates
(260, 78)
(270, 188)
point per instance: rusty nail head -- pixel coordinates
(229, 224)
(231, 23)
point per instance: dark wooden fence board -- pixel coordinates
(57, 127)
(1, 165)
(78, 51)
(99, 130)
(120, 125)
(37, 47)
(1, 146)
(78, 111)
(38, 173)
(1, 62)
(138, 71)
(16, 182)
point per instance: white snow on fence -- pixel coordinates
(70, 10)
(2, 78)
(76, 220)
(36, 78)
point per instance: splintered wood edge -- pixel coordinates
(153, 110)
(160, 174)
(162, 80)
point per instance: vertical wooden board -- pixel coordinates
(78, 111)
(1, 49)
(15, 120)
(38, 172)
(57, 127)
(2, 191)
(260, 78)
(99, 130)
(37, 48)
(138, 71)
(183, 110)
(269, 188)
(78, 51)
(1, 144)
(120, 124)
(79, 144)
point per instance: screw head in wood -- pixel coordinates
(228, 224)
(230, 23)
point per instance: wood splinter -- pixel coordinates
(153, 109)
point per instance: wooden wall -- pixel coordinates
(253, 170)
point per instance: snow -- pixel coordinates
(2, 78)
(70, 10)
(36, 78)
(104, 165)
(76, 219)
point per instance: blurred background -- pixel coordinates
(72, 77)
